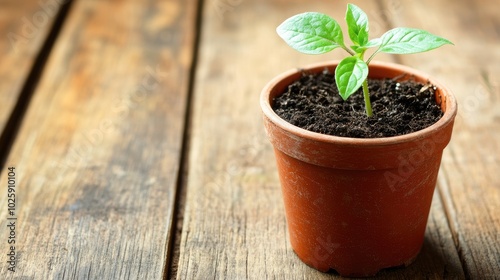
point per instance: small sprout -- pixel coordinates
(316, 33)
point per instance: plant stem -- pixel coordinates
(348, 50)
(366, 95)
(371, 57)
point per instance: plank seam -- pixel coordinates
(173, 244)
(16, 118)
(448, 207)
(441, 193)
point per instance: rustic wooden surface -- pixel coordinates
(98, 153)
(24, 27)
(122, 174)
(233, 223)
(469, 183)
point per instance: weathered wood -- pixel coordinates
(234, 225)
(24, 28)
(470, 182)
(97, 157)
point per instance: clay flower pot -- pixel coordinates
(357, 205)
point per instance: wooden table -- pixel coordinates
(136, 149)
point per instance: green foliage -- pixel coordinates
(357, 25)
(350, 75)
(409, 40)
(312, 33)
(316, 33)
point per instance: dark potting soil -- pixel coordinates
(399, 107)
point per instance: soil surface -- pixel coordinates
(400, 106)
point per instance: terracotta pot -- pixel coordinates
(357, 205)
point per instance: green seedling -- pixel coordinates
(316, 33)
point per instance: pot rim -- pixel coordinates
(446, 119)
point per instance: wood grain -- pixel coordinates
(24, 28)
(470, 182)
(98, 154)
(234, 225)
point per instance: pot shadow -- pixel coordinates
(435, 261)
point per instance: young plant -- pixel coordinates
(316, 33)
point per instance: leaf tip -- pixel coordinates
(351, 6)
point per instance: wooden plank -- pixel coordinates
(234, 225)
(470, 182)
(98, 155)
(24, 27)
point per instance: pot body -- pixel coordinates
(357, 205)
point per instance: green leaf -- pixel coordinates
(373, 43)
(370, 44)
(357, 25)
(358, 49)
(349, 75)
(409, 40)
(311, 33)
